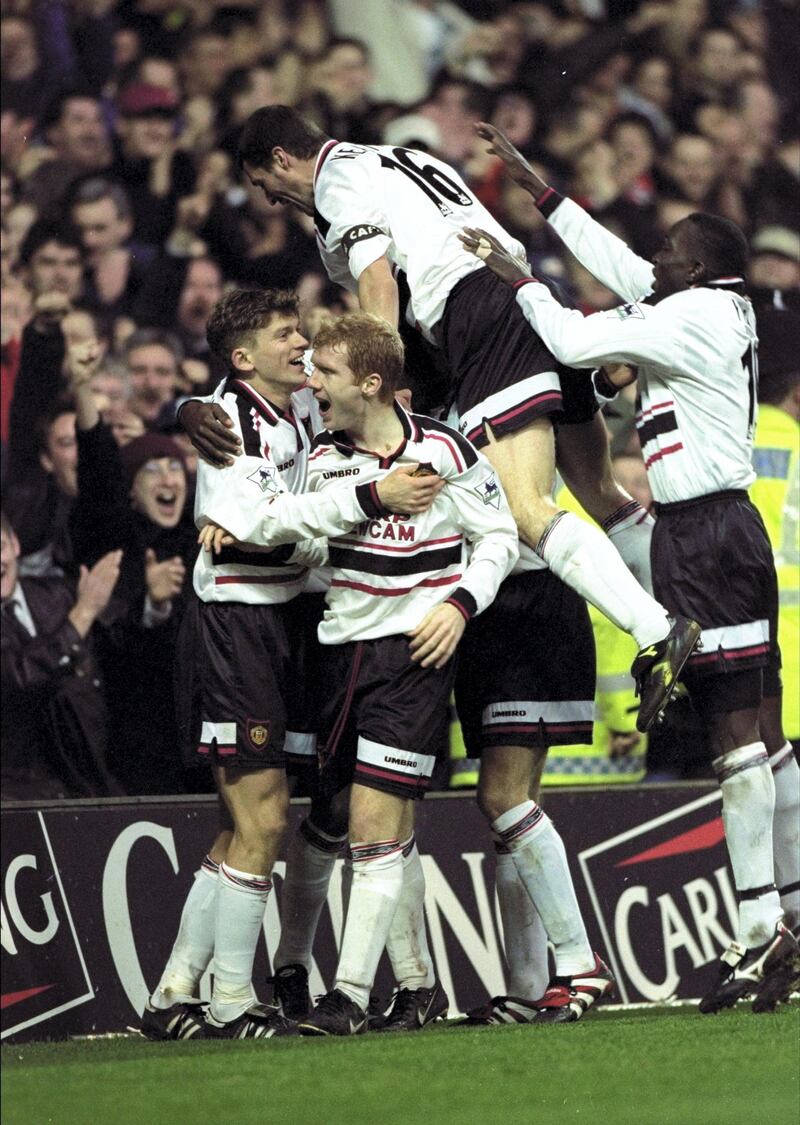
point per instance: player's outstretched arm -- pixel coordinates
(246, 500)
(604, 255)
(517, 166)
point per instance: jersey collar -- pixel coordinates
(410, 433)
(273, 414)
(324, 153)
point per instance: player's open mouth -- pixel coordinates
(298, 362)
(324, 406)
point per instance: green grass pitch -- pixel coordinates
(651, 1067)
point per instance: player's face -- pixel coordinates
(159, 491)
(282, 183)
(276, 354)
(673, 262)
(336, 389)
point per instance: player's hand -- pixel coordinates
(518, 167)
(620, 374)
(214, 538)
(208, 427)
(436, 637)
(497, 258)
(409, 490)
(164, 579)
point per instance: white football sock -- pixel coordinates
(407, 943)
(194, 946)
(786, 831)
(375, 891)
(748, 802)
(309, 863)
(630, 529)
(589, 562)
(524, 935)
(241, 899)
(541, 862)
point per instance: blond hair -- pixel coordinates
(372, 346)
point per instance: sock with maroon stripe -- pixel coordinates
(194, 946)
(524, 935)
(309, 864)
(630, 529)
(541, 862)
(377, 882)
(587, 561)
(786, 831)
(407, 943)
(241, 900)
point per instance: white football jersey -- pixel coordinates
(275, 447)
(390, 570)
(696, 354)
(372, 201)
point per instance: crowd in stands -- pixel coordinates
(124, 218)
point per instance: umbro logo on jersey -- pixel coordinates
(489, 491)
(340, 473)
(625, 312)
(264, 477)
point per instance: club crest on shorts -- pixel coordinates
(264, 477)
(489, 491)
(257, 734)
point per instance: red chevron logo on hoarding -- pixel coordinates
(695, 840)
(8, 999)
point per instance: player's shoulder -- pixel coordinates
(450, 451)
(342, 162)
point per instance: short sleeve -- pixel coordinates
(349, 213)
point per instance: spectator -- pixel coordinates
(26, 85)
(77, 143)
(40, 482)
(148, 162)
(101, 210)
(52, 259)
(153, 358)
(54, 721)
(134, 499)
(775, 259)
(341, 105)
(693, 170)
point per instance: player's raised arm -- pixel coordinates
(604, 255)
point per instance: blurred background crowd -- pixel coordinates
(123, 220)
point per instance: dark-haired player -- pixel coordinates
(382, 211)
(695, 347)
